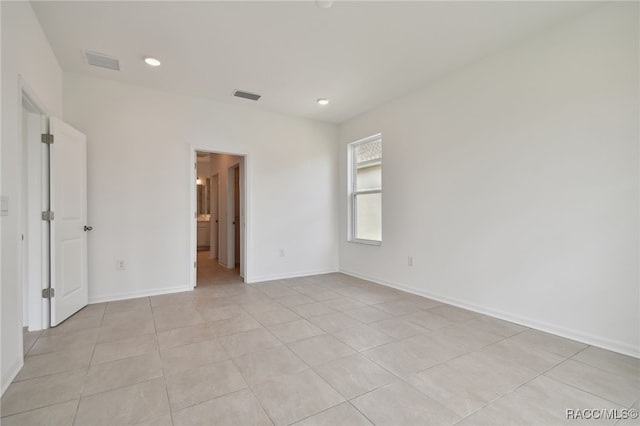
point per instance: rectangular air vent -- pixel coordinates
(246, 95)
(102, 61)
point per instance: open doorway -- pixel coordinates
(53, 253)
(219, 218)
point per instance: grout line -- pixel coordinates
(39, 408)
(572, 358)
(576, 386)
(329, 284)
(363, 414)
(164, 379)
(54, 373)
(246, 382)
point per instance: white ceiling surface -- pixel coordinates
(358, 54)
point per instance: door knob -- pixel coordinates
(88, 228)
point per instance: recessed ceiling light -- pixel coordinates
(323, 101)
(152, 61)
(324, 4)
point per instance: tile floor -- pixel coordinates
(321, 350)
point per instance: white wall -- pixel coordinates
(139, 167)
(513, 183)
(25, 52)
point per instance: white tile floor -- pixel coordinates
(321, 350)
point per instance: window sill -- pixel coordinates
(366, 242)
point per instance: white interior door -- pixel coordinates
(68, 202)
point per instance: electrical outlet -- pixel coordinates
(281, 252)
(410, 261)
(120, 265)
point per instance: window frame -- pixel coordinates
(353, 192)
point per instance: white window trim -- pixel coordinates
(353, 193)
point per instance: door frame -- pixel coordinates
(245, 209)
(34, 250)
(214, 223)
(231, 215)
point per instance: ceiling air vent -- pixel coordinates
(246, 95)
(102, 61)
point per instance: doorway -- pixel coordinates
(52, 217)
(219, 218)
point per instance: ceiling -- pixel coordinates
(358, 54)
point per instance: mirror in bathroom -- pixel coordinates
(203, 195)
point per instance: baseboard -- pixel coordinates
(262, 278)
(14, 372)
(141, 293)
(587, 338)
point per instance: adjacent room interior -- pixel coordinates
(318, 212)
(219, 215)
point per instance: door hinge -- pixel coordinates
(194, 264)
(47, 216)
(47, 138)
(48, 293)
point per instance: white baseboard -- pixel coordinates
(262, 278)
(587, 338)
(168, 290)
(12, 375)
(140, 293)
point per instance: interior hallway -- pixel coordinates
(321, 350)
(210, 272)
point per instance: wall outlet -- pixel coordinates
(410, 261)
(120, 265)
(281, 252)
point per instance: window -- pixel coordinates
(365, 190)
